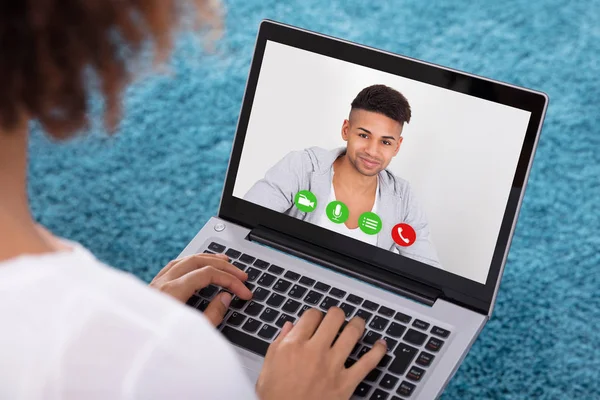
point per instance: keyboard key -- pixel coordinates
(405, 389)
(404, 354)
(208, 252)
(434, 344)
(247, 259)
(371, 337)
(291, 306)
(261, 264)
(391, 343)
(249, 285)
(283, 318)
(292, 275)
(347, 309)
(329, 302)
(266, 280)
(364, 350)
(192, 301)
(395, 330)
(282, 285)
(305, 280)
(388, 382)
(355, 349)
(384, 361)
(202, 305)
(379, 394)
(354, 299)
(402, 318)
(239, 265)
(349, 362)
(323, 287)
(232, 253)
(253, 274)
(260, 294)
(267, 331)
(364, 315)
(369, 305)
(252, 325)
(425, 359)
(245, 341)
(373, 375)
(269, 315)
(297, 292)
(235, 319)
(303, 309)
(378, 323)
(337, 293)
(275, 300)
(276, 270)
(388, 312)
(436, 330)
(208, 292)
(253, 309)
(216, 247)
(237, 303)
(417, 323)
(415, 374)
(415, 337)
(313, 297)
(362, 390)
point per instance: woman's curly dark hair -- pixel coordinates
(49, 47)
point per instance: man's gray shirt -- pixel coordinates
(312, 169)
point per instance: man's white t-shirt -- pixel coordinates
(74, 328)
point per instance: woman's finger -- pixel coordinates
(201, 278)
(217, 308)
(306, 325)
(366, 363)
(172, 263)
(199, 261)
(329, 327)
(348, 338)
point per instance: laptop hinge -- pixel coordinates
(364, 271)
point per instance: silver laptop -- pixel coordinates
(383, 185)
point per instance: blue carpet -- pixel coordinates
(138, 198)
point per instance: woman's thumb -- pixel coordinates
(217, 308)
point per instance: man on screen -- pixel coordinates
(351, 184)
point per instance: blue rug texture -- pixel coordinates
(137, 198)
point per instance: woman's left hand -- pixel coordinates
(181, 278)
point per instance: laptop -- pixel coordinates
(443, 157)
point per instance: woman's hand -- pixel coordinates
(181, 278)
(305, 363)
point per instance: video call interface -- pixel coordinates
(417, 170)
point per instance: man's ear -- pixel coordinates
(345, 130)
(400, 139)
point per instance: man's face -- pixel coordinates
(373, 140)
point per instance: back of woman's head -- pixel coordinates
(50, 51)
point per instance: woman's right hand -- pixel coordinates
(303, 364)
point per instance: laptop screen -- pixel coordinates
(412, 168)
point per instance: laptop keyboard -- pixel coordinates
(281, 295)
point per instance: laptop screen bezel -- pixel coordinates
(454, 287)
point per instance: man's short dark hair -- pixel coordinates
(384, 100)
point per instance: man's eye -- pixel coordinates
(363, 135)
(387, 142)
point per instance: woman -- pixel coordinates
(74, 328)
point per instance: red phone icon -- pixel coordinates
(404, 235)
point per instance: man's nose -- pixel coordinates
(371, 149)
